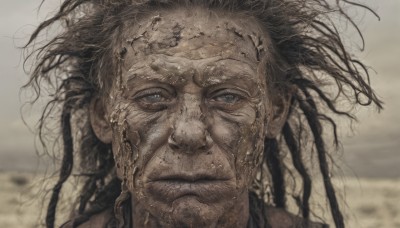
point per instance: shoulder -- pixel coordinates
(279, 218)
(96, 221)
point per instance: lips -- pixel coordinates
(190, 178)
(204, 186)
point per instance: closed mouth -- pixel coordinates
(207, 187)
(189, 178)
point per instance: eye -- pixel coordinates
(154, 99)
(228, 98)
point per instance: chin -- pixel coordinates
(193, 209)
(188, 211)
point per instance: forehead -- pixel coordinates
(194, 34)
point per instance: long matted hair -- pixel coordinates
(76, 64)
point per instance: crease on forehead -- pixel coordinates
(177, 70)
(182, 30)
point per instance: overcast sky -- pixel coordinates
(372, 150)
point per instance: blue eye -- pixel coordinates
(227, 98)
(153, 98)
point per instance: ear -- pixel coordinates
(99, 122)
(277, 113)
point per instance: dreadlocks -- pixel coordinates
(78, 61)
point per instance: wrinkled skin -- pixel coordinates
(188, 116)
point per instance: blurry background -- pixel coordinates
(371, 150)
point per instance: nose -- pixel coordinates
(190, 134)
(190, 137)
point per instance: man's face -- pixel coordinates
(188, 114)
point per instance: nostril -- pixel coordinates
(203, 148)
(174, 147)
(206, 143)
(172, 143)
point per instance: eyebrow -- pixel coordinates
(202, 77)
(243, 72)
(148, 74)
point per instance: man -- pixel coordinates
(185, 108)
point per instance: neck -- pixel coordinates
(235, 216)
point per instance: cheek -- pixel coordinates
(154, 131)
(242, 134)
(135, 135)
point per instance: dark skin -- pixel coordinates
(188, 117)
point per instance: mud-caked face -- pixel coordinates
(189, 113)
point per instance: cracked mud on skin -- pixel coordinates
(189, 116)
